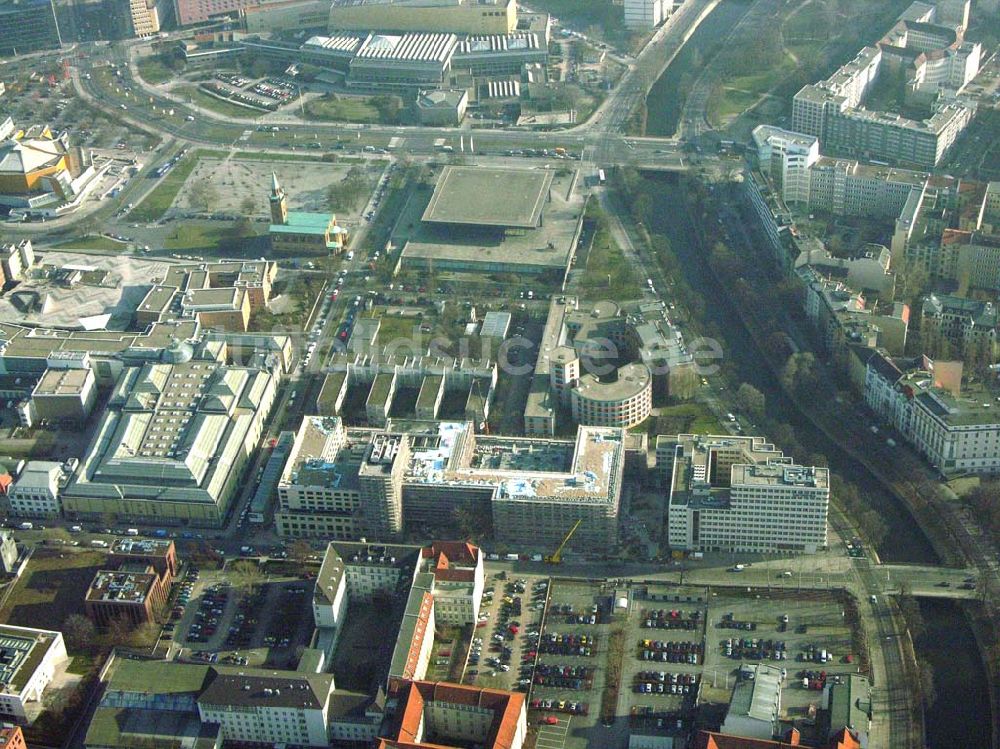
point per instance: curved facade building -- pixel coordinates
(625, 402)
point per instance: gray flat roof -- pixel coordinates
(487, 196)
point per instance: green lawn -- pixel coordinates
(341, 110)
(51, 588)
(737, 94)
(195, 237)
(607, 275)
(91, 242)
(163, 195)
(686, 418)
(152, 70)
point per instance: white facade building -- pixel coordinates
(30, 659)
(280, 709)
(35, 494)
(741, 494)
(646, 14)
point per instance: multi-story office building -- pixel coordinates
(132, 595)
(31, 659)
(28, 26)
(365, 482)
(573, 371)
(741, 494)
(151, 703)
(953, 423)
(841, 186)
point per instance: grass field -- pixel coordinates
(152, 70)
(194, 237)
(686, 418)
(341, 110)
(163, 195)
(607, 275)
(91, 242)
(738, 94)
(51, 588)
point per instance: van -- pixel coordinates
(76, 529)
(132, 532)
(26, 526)
(511, 557)
(98, 543)
(731, 417)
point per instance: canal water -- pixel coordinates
(960, 714)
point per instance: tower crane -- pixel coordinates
(556, 556)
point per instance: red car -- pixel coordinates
(549, 720)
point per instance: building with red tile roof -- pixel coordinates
(459, 580)
(844, 739)
(439, 715)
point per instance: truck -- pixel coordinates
(98, 543)
(536, 557)
(511, 557)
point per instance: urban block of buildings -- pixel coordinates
(35, 493)
(352, 483)
(302, 232)
(601, 364)
(222, 295)
(925, 55)
(741, 494)
(29, 660)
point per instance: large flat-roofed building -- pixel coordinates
(450, 16)
(740, 494)
(160, 554)
(350, 483)
(490, 219)
(65, 395)
(400, 62)
(29, 660)
(467, 196)
(173, 442)
(319, 493)
(438, 715)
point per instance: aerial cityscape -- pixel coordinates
(478, 374)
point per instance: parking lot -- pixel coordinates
(505, 645)
(212, 619)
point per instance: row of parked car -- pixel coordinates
(754, 649)
(562, 706)
(209, 613)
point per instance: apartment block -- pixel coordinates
(36, 492)
(953, 423)
(740, 494)
(935, 64)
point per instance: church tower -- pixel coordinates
(279, 203)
